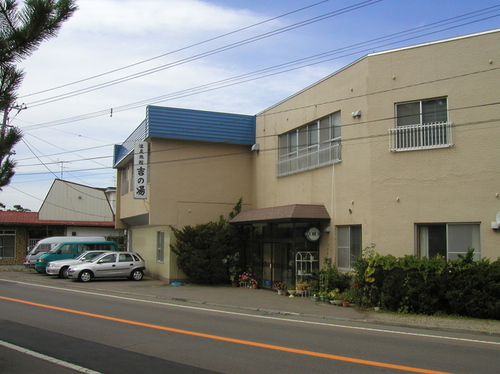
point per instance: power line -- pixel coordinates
(205, 54)
(343, 140)
(180, 49)
(384, 91)
(286, 67)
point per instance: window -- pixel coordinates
(66, 249)
(310, 146)
(107, 259)
(125, 257)
(125, 179)
(160, 246)
(348, 246)
(7, 243)
(448, 240)
(421, 124)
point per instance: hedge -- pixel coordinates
(411, 284)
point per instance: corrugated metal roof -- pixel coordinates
(121, 151)
(189, 124)
(285, 213)
(31, 218)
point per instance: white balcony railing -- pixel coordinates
(417, 137)
(309, 160)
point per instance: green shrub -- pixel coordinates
(208, 253)
(412, 284)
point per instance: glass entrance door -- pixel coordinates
(277, 264)
(267, 265)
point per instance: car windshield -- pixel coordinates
(54, 250)
(40, 248)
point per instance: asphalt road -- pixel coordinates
(110, 334)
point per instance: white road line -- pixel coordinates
(53, 360)
(266, 317)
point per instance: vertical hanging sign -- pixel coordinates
(140, 172)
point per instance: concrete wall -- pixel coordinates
(386, 192)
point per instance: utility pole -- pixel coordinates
(62, 167)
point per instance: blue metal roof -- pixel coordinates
(188, 124)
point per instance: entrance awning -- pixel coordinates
(285, 213)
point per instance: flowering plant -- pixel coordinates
(281, 286)
(245, 277)
(253, 282)
(302, 285)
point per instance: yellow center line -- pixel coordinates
(237, 341)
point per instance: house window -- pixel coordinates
(348, 246)
(160, 246)
(310, 146)
(421, 124)
(448, 240)
(125, 179)
(7, 243)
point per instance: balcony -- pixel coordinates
(418, 137)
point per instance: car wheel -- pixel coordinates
(63, 273)
(137, 275)
(85, 276)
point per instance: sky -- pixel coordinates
(88, 88)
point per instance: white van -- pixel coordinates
(45, 245)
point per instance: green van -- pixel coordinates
(67, 250)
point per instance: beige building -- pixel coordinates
(399, 150)
(198, 167)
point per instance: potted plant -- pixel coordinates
(314, 297)
(335, 297)
(244, 279)
(284, 287)
(253, 283)
(232, 263)
(279, 287)
(346, 298)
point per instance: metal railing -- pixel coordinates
(417, 137)
(310, 160)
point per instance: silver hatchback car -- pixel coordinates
(60, 267)
(109, 265)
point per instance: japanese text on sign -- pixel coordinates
(140, 173)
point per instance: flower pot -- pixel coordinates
(254, 286)
(235, 284)
(280, 292)
(345, 303)
(314, 298)
(285, 293)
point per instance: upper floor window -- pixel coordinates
(310, 146)
(421, 124)
(125, 182)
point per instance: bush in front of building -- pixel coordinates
(428, 286)
(203, 250)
